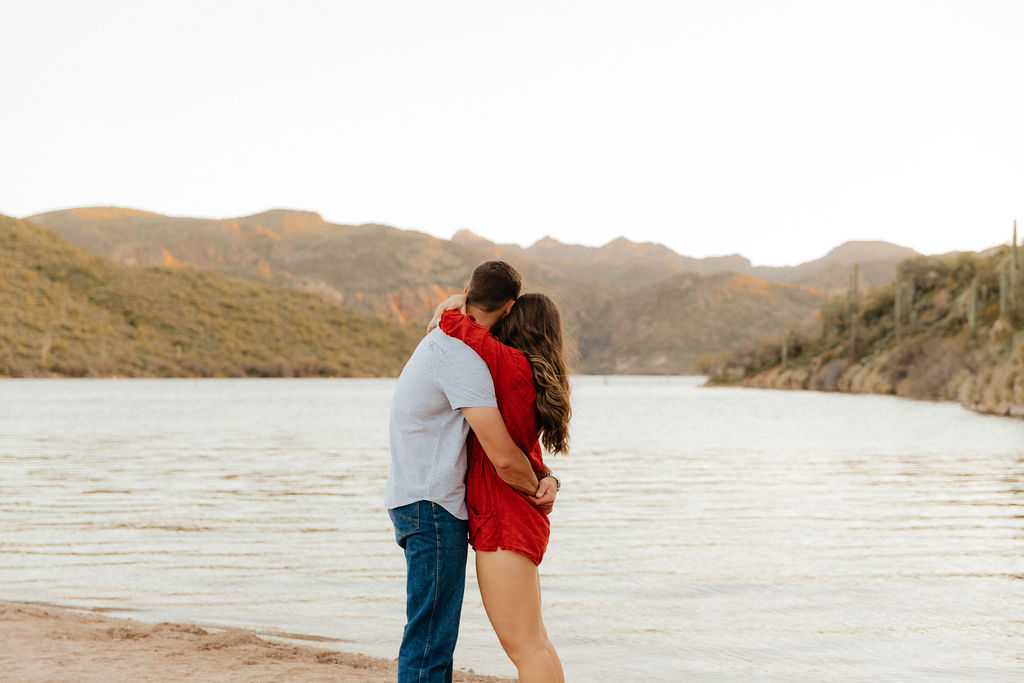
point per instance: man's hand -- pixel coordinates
(544, 499)
(451, 303)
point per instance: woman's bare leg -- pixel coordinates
(510, 588)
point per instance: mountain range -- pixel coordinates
(633, 307)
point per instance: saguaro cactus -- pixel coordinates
(911, 295)
(1015, 261)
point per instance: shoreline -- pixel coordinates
(772, 380)
(48, 642)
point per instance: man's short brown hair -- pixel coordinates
(494, 283)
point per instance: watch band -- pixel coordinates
(558, 484)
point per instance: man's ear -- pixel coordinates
(508, 307)
(465, 290)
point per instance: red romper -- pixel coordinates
(499, 516)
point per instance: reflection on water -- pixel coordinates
(701, 534)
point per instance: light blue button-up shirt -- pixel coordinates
(428, 432)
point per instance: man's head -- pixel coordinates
(494, 286)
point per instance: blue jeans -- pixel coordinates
(436, 545)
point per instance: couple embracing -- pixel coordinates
(494, 364)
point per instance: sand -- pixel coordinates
(41, 642)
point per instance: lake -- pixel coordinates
(702, 534)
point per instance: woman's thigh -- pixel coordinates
(510, 589)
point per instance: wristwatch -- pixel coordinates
(558, 484)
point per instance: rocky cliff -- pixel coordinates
(948, 328)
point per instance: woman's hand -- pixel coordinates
(544, 498)
(451, 303)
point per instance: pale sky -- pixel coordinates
(774, 129)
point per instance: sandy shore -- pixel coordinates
(50, 643)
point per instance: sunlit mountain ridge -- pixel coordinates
(67, 312)
(633, 306)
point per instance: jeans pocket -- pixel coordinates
(406, 520)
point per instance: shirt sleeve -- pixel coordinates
(465, 380)
(478, 338)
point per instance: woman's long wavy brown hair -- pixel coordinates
(535, 327)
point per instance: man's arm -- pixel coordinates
(509, 461)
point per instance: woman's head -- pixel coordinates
(534, 326)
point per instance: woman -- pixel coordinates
(526, 357)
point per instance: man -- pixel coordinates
(444, 390)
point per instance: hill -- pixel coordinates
(400, 274)
(949, 327)
(877, 262)
(666, 327)
(376, 269)
(392, 273)
(67, 312)
(830, 273)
